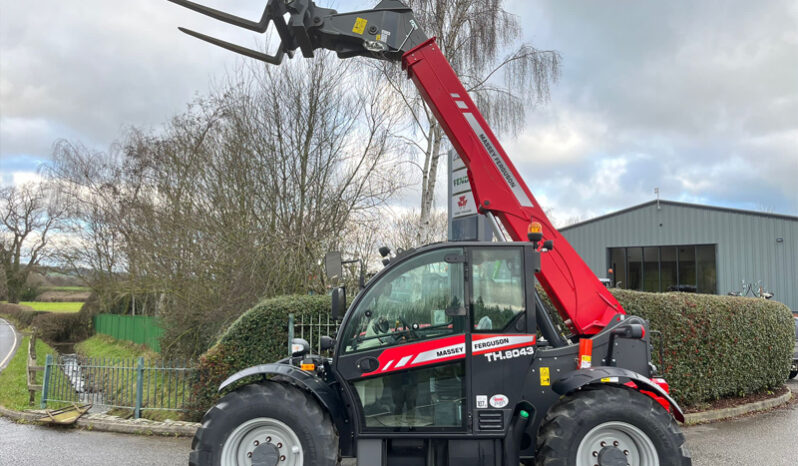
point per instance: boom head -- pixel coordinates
(385, 32)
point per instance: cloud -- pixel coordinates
(697, 98)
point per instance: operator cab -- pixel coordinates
(442, 332)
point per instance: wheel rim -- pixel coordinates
(635, 445)
(242, 442)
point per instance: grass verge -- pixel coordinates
(64, 307)
(104, 346)
(13, 380)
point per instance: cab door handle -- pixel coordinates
(368, 364)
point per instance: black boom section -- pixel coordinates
(573, 380)
(323, 392)
(385, 32)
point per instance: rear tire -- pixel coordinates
(583, 428)
(279, 418)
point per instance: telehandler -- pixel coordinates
(448, 356)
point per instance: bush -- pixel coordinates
(60, 328)
(259, 336)
(716, 346)
(22, 316)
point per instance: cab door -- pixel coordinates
(502, 328)
(402, 348)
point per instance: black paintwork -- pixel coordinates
(482, 440)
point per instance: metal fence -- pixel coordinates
(143, 330)
(311, 328)
(117, 383)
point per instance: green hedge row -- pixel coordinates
(52, 327)
(716, 346)
(22, 316)
(259, 336)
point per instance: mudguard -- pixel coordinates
(323, 392)
(573, 380)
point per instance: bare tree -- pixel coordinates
(403, 232)
(472, 34)
(237, 198)
(29, 214)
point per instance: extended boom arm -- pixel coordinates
(390, 32)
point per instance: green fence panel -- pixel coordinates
(143, 330)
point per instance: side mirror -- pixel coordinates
(338, 303)
(326, 343)
(299, 347)
(333, 265)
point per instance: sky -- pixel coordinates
(697, 99)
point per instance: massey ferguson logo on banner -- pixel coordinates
(445, 349)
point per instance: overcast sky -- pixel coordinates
(699, 99)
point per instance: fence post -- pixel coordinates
(46, 382)
(290, 333)
(139, 387)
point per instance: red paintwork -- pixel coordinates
(391, 357)
(584, 303)
(478, 337)
(663, 385)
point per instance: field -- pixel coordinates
(53, 307)
(66, 288)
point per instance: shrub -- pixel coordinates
(22, 316)
(259, 336)
(716, 346)
(59, 328)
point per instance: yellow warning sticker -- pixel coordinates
(609, 380)
(545, 380)
(360, 25)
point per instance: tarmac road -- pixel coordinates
(25, 444)
(766, 439)
(8, 342)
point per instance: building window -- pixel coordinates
(689, 268)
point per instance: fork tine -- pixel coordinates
(227, 17)
(273, 59)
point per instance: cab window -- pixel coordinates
(498, 283)
(409, 303)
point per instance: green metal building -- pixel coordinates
(665, 246)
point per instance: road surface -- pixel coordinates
(767, 439)
(25, 444)
(8, 342)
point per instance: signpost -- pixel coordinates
(465, 223)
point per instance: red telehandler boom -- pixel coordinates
(438, 360)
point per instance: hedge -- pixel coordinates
(259, 336)
(52, 327)
(714, 346)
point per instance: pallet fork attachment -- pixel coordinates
(310, 27)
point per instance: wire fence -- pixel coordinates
(117, 383)
(311, 328)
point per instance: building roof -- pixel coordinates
(681, 204)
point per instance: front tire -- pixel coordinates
(610, 425)
(266, 420)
